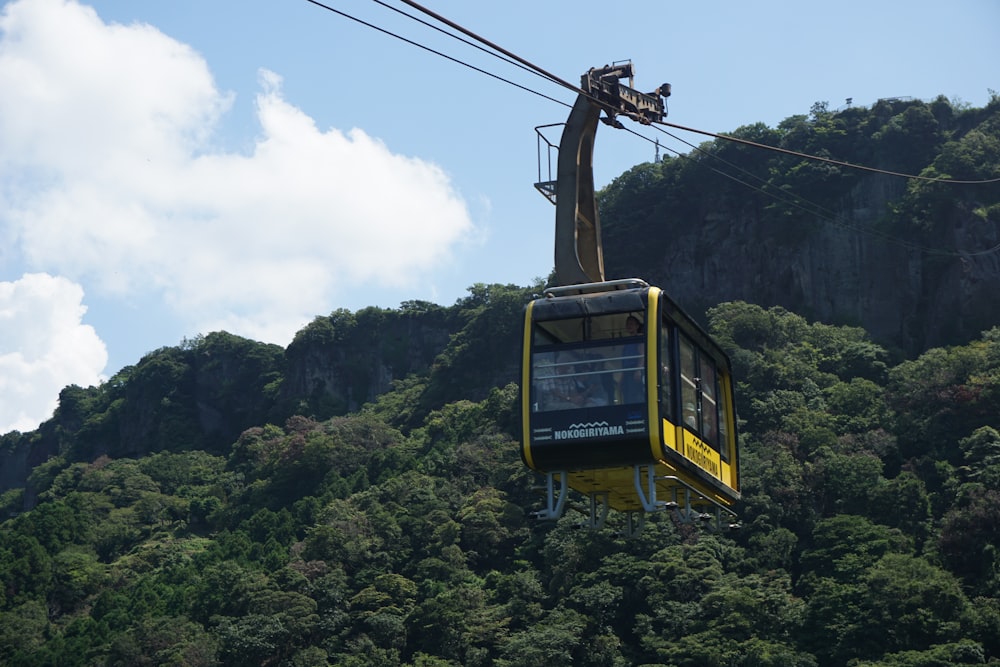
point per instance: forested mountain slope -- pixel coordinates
(203, 393)
(358, 499)
(916, 263)
(871, 518)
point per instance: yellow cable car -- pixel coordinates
(624, 398)
(627, 400)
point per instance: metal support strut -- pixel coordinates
(683, 504)
(647, 496)
(554, 505)
(599, 507)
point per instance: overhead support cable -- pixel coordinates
(827, 160)
(434, 51)
(485, 50)
(514, 59)
(580, 91)
(576, 89)
(495, 47)
(799, 202)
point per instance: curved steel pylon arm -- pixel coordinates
(578, 254)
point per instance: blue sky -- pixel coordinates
(175, 168)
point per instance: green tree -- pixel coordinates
(845, 546)
(912, 604)
(23, 629)
(944, 655)
(164, 641)
(76, 574)
(557, 639)
(969, 540)
(25, 569)
(846, 483)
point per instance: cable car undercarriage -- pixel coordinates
(686, 503)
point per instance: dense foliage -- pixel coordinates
(871, 527)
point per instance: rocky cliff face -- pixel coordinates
(910, 291)
(338, 363)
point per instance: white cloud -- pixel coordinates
(108, 176)
(43, 347)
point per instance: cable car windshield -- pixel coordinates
(588, 362)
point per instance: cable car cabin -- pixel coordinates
(627, 400)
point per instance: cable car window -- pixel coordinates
(689, 386)
(585, 363)
(723, 433)
(578, 329)
(709, 403)
(666, 379)
(701, 398)
(564, 381)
